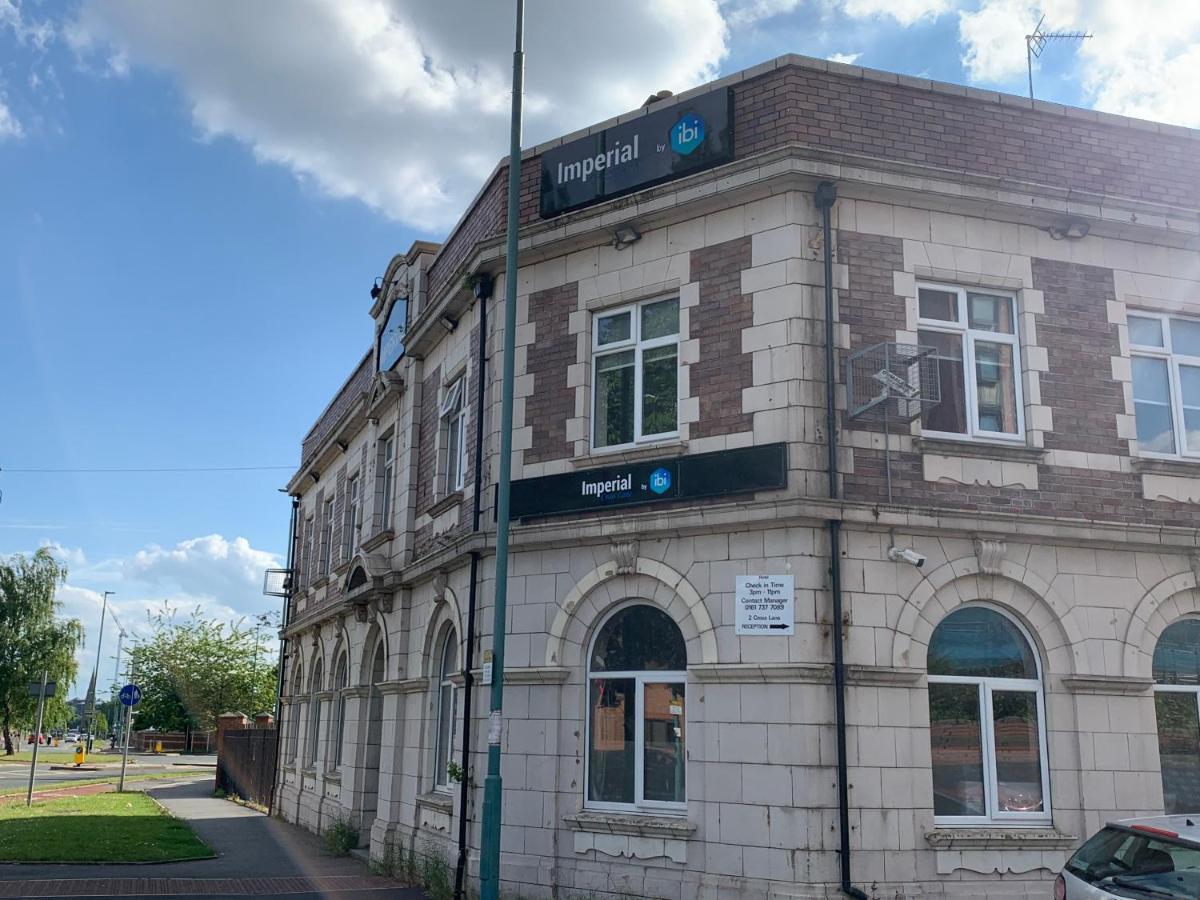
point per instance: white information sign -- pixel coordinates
(487, 666)
(766, 604)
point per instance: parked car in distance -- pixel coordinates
(72, 737)
(1156, 857)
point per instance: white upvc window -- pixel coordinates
(1165, 357)
(637, 683)
(447, 711)
(987, 722)
(1176, 669)
(387, 482)
(453, 413)
(353, 515)
(974, 333)
(326, 536)
(635, 374)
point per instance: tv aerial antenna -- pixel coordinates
(1035, 43)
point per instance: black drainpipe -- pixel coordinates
(484, 293)
(825, 197)
(289, 588)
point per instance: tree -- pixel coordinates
(33, 639)
(194, 669)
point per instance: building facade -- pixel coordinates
(999, 535)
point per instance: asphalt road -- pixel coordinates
(16, 774)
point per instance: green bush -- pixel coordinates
(341, 837)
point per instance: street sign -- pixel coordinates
(35, 688)
(131, 695)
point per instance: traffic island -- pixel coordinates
(74, 768)
(128, 827)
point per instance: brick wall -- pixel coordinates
(351, 392)
(427, 437)
(722, 370)
(1080, 342)
(552, 401)
(870, 306)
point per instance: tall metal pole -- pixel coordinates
(489, 860)
(36, 737)
(96, 671)
(128, 728)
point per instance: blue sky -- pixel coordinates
(195, 198)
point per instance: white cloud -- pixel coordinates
(222, 577)
(741, 13)
(9, 126)
(1144, 58)
(403, 105)
(847, 58)
(906, 12)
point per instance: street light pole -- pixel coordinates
(37, 736)
(489, 858)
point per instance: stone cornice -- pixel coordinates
(1107, 684)
(1001, 838)
(403, 686)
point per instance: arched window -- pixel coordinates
(340, 681)
(1177, 705)
(297, 693)
(314, 714)
(446, 709)
(986, 721)
(637, 674)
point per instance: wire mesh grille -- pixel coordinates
(898, 380)
(276, 582)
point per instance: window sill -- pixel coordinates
(333, 775)
(377, 540)
(1014, 452)
(998, 837)
(628, 454)
(446, 503)
(636, 824)
(1166, 465)
(438, 799)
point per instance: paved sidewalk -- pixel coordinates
(257, 856)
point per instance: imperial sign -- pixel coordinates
(668, 143)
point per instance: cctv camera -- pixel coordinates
(912, 557)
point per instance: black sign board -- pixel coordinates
(391, 340)
(653, 148)
(740, 471)
(35, 688)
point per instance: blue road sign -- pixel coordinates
(131, 695)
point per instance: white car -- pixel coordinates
(1149, 858)
(72, 737)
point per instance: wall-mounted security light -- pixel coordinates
(449, 323)
(1074, 230)
(625, 236)
(906, 555)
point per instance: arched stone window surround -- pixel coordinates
(444, 612)
(593, 597)
(341, 680)
(315, 688)
(445, 700)
(1173, 598)
(376, 635)
(1034, 604)
(297, 696)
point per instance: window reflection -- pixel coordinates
(957, 745)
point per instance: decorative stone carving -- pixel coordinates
(1194, 559)
(385, 603)
(362, 611)
(625, 555)
(990, 554)
(440, 582)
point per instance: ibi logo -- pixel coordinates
(660, 479)
(687, 134)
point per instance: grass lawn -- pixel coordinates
(128, 827)
(47, 754)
